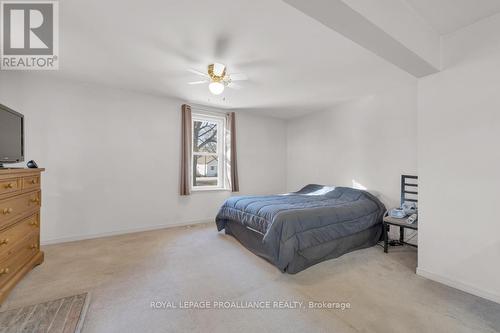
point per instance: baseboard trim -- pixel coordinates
(458, 285)
(120, 232)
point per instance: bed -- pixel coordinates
(296, 230)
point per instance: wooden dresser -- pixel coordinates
(20, 202)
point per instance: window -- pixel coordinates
(208, 152)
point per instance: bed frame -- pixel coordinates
(252, 240)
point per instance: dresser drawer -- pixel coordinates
(31, 182)
(17, 206)
(12, 236)
(10, 185)
(22, 253)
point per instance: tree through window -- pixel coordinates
(208, 152)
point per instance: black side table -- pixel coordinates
(402, 224)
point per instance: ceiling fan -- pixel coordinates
(218, 78)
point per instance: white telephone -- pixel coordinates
(409, 207)
(397, 213)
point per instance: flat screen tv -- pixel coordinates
(11, 136)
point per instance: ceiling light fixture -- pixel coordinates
(218, 78)
(218, 69)
(216, 88)
(217, 72)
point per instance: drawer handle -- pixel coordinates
(33, 247)
(34, 223)
(7, 211)
(9, 185)
(35, 200)
(33, 181)
(4, 241)
(4, 271)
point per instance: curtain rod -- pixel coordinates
(209, 109)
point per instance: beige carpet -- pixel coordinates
(126, 273)
(64, 315)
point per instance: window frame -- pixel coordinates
(220, 121)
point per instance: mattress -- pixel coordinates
(298, 229)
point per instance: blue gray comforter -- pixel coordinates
(303, 220)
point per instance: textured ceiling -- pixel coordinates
(447, 16)
(295, 64)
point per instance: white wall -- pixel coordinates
(371, 141)
(112, 156)
(459, 163)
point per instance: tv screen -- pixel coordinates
(11, 136)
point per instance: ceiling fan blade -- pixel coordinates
(234, 86)
(183, 52)
(255, 63)
(238, 77)
(198, 82)
(222, 45)
(197, 72)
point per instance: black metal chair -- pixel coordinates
(409, 192)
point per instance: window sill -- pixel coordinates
(208, 189)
